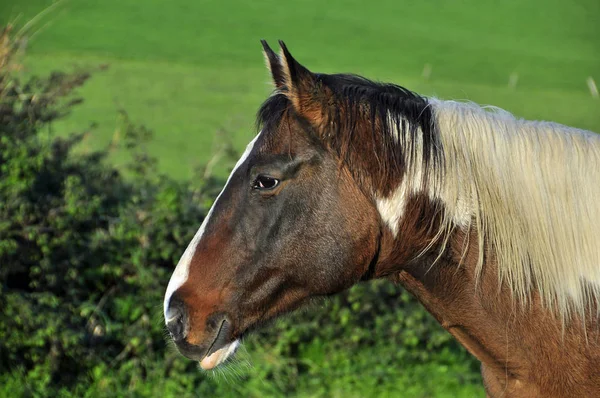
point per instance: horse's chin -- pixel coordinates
(221, 355)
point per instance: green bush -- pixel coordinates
(86, 252)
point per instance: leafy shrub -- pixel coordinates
(86, 254)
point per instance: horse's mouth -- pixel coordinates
(219, 356)
(219, 351)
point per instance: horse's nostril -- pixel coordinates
(176, 319)
(177, 329)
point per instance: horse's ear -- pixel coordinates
(307, 94)
(297, 77)
(274, 65)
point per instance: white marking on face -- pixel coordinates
(182, 270)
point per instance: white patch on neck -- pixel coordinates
(391, 209)
(182, 270)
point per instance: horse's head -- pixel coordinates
(293, 221)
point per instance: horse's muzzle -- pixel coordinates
(217, 346)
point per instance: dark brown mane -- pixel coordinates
(366, 119)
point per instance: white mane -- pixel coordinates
(532, 190)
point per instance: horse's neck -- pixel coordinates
(512, 341)
(449, 292)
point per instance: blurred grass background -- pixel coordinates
(189, 69)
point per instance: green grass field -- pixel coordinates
(187, 69)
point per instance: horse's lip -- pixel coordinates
(214, 346)
(220, 349)
(219, 356)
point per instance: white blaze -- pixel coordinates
(182, 270)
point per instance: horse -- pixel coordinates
(489, 220)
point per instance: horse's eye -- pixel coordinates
(265, 182)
